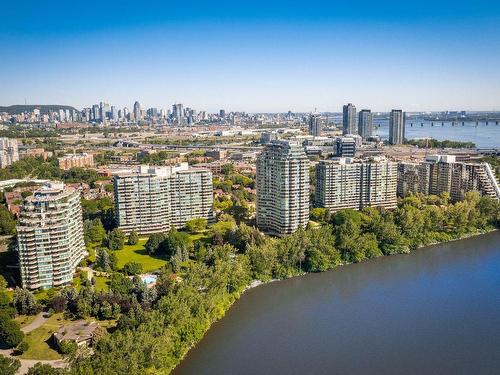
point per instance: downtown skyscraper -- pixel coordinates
(137, 111)
(315, 125)
(365, 124)
(349, 119)
(282, 188)
(397, 127)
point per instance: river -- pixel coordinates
(434, 311)
(484, 136)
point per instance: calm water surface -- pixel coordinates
(484, 136)
(435, 311)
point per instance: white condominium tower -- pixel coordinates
(8, 152)
(350, 183)
(50, 236)
(282, 188)
(154, 199)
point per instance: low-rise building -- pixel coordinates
(81, 332)
(76, 160)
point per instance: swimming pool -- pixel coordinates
(149, 279)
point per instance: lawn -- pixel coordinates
(136, 253)
(40, 340)
(201, 236)
(100, 283)
(24, 320)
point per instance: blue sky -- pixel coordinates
(253, 55)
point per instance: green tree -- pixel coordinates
(24, 302)
(133, 238)
(103, 259)
(116, 239)
(43, 369)
(10, 332)
(196, 225)
(9, 366)
(7, 222)
(94, 231)
(23, 347)
(153, 243)
(176, 243)
(132, 268)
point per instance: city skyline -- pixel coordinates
(255, 57)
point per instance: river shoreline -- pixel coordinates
(256, 283)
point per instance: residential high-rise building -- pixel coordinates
(349, 119)
(282, 188)
(315, 124)
(9, 152)
(154, 199)
(443, 174)
(397, 127)
(413, 178)
(345, 146)
(350, 183)
(50, 236)
(137, 111)
(365, 124)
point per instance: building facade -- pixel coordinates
(365, 124)
(76, 161)
(349, 119)
(50, 236)
(8, 152)
(315, 125)
(282, 188)
(397, 127)
(349, 183)
(413, 178)
(155, 199)
(443, 174)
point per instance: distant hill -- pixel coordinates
(19, 108)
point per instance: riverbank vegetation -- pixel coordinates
(434, 143)
(157, 326)
(204, 270)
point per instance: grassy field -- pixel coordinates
(136, 253)
(24, 320)
(40, 339)
(100, 283)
